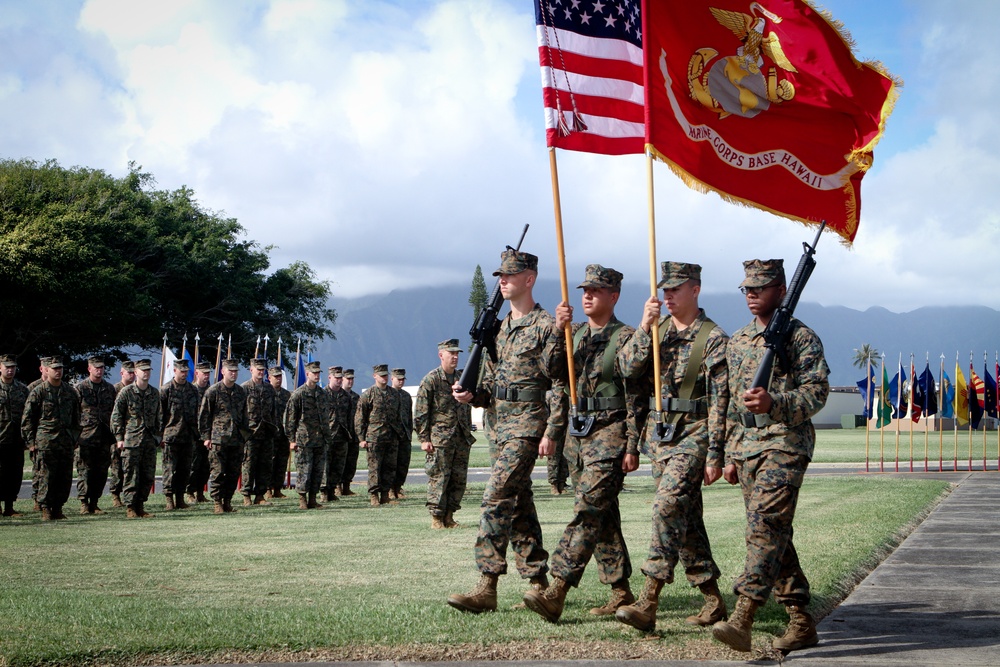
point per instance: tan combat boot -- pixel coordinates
(714, 609)
(227, 505)
(399, 493)
(46, 514)
(800, 633)
(131, 513)
(735, 633)
(313, 505)
(219, 508)
(116, 500)
(437, 523)
(259, 500)
(374, 500)
(247, 502)
(191, 498)
(303, 502)
(200, 497)
(642, 614)
(36, 507)
(539, 583)
(85, 507)
(449, 520)
(481, 598)
(346, 490)
(170, 502)
(548, 603)
(141, 510)
(94, 509)
(276, 493)
(323, 497)
(57, 513)
(621, 595)
(179, 501)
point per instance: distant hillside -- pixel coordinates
(402, 329)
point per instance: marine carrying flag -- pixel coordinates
(591, 61)
(767, 107)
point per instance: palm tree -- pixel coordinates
(865, 355)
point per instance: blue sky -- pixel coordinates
(395, 144)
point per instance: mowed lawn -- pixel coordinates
(360, 583)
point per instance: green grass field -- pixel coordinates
(360, 583)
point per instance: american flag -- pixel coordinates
(590, 53)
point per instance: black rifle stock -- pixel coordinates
(780, 325)
(484, 333)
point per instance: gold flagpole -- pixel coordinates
(927, 418)
(218, 360)
(229, 347)
(955, 409)
(910, 412)
(881, 432)
(996, 376)
(267, 339)
(899, 399)
(940, 412)
(163, 357)
(657, 381)
(298, 359)
(985, 413)
(869, 399)
(561, 251)
(969, 390)
(197, 338)
(184, 343)
(256, 350)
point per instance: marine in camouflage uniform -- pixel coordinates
(117, 478)
(262, 420)
(606, 447)
(531, 360)
(222, 420)
(13, 394)
(51, 425)
(307, 423)
(353, 450)
(198, 479)
(279, 465)
(32, 452)
(179, 402)
(769, 445)
(404, 449)
(379, 430)
(694, 403)
(93, 457)
(340, 415)
(137, 423)
(444, 429)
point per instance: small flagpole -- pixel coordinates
(163, 357)
(940, 411)
(955, 409)
(184, 342)
(996, 377)
(197, 338)
(256, 350)
(881, 431)
(868, 401)
(927, 417)
(229, 347)
(910, 412)
(218, 360)
(298, 360)
(899, 400)
(657, 380)
(969, 389)
(279, 355)
(564, 283)
(985, 413)
(267, 338)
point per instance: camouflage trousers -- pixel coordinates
(178, 453)
(93, 458)
(351, 462)
(381, 466)
(558, 467)
(336, 458)
(11, 471)
(116, 477)
(770, 483)
(139, 470)
(678, 522)
(596, 527)
(198, 479)
(447, 473)
(309, 465)
(404, 452)
(224, 463)
(508, 514)
(35, 474)
(55, 476)
(279, 464)
(258, 457)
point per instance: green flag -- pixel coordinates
(884, 409)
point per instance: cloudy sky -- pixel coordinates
(400, 143)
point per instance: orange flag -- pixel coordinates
(766, 106)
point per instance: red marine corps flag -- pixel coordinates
(763, 103)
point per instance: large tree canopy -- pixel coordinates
(90, 263)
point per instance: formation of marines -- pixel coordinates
(708, 423)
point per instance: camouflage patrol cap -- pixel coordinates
(274, 371)
(450, 345)
(181, 364)
(128, 365)
(349, 373)
(95, 362)
(380, 369)
(8, 360)
(53, 362)
(515, 261)
(336, 371)
(258, 363)
(675, 274)
(763, 272)
(314, 367)
(231, 364)
(399, 373)
(203, 366)
(601, 277)
(144, 365)
(42, 360)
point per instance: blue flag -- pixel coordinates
(300, 374)
(925, 394)
(989, 392)
(948, 397)
(896, 395)
(868, 397)
(191, 364)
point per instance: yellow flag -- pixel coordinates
(961, 397)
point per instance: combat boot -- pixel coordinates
(247, 502)
(399, 493)
(383, 498)
(437, 523)
(539, 582)
(346, 490)
(735, 633)
(259, 500)
(549, 602)
(131, 513)
(94, 509)
(170, 502)
(143, 514)
(313, 505)
(57, 513)
(276, 493)
(621, 595)
(200, 497)
(481, 598)
(37, 507)
(9, 509)
(179, 501)
(642, 614)
(219, 508)
(323, 497)
(303, 503)
(46, 514)
(116, 500)
(227, 505)
(85, 507)
(449, 520)
(269, 494)
(800, 633)
(191, 498)
(373, 498)
(714, 609)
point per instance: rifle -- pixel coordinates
(779, 328)
(484, 332)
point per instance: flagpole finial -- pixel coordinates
(185, 337)
(221, 337)
(267, 338)
(196, 336)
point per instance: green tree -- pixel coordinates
(93, 264)
(478, 294)
(865, 354)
